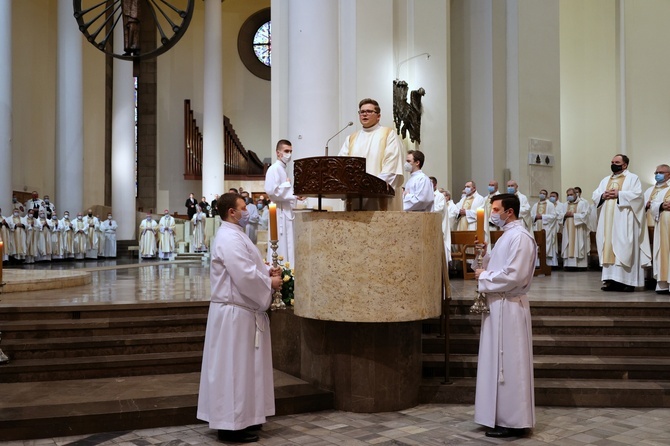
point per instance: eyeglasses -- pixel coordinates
(662, 173)
(366, 112)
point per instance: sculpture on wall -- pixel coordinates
(131, 26)
(407, 115)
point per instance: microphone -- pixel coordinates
(348, 125)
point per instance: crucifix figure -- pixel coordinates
(131, 26)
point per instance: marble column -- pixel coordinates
(5, 106)
(212, 116)
(123, 144)
(69, 187)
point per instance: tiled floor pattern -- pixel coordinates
(423, 425)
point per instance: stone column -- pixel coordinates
(212, 116)
(69, 193)
(5, 106)
(123, 144)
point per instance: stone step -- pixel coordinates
(104, 345)
(560, 392)
(64, 408)
(562, 345)
(61, 328)
(91, 367)
(563, 367)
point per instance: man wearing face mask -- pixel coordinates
(148, 229)
(17, 227)
(199, 222)
(554, 198)
(56, 241)
(504, 398)
(545, 217)
(418, 193)
(166, 241)
(109, 227)
(92, 225)
(67, 235)
(593, 212)
(280, 190)
(467, 208)
(622, 237)
(43, 246)
(576, 242)
(236, 385)
(660, 212)
(35, 203)
(16, 205)
(381, 148)
(49, 207)
(251, 228)
(79, 237)
(488, 226)
(524, 210)
(658, 190)
(5, 236)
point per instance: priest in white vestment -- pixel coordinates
(417, 195)
(32, 237)
(524, 210)
(109, 228)
(199, 223)
(560, 211)
(380, 146)
(236, 383)
(440, 206)
(622, 236)
(56, 228)
(504, 398)
(575, 240)
(79, 237)
(251, 229)
(545, 217)
(280, 191)
(166, 240)
(657, 191)
(44, 238)
(660, 209)
(68, 236)
(488, 226)
(467, 208)
(5, 236)
(148, 229)
(92, 224)
(18, 229)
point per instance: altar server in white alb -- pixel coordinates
(545, 217)
(380, 146)
(504, 399)
(236, 385)
(418, 195)
(622, 236)
(660, 209)
(280, 190)
(109, 228)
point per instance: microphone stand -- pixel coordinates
(348, 125)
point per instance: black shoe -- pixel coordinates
(613, 286)
(254, 428)
(662, 291)
(505, 432)
(241, 436)
(628, 289)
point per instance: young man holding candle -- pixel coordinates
(280, 190)
(236, 384)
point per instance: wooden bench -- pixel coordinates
(541, 240)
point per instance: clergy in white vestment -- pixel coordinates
(575, 240)
(44, 238)
(17, 227)
(32, 237)
(17, 205)
(488, 226)
(166, 241)
(417, 195)
(67, 233)
(593, 211)
(452, 211)
(109, 228)
(440, 206)
(251, 229)
(280, 191)
(34, 204)
(79, 237)
(657, 191)
(199, 222)
(56, 229)
(381, 147)
(5, 236)
(236, 382)
(100, 237)
(148, 230)
(92, 225)
(524, 210)
(560, 211)
(467, 208)
(660, 209)
(504, 397)
(545, 217)
(49, 207)
(622, 236)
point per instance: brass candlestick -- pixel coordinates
(479, 306)
(277, 302)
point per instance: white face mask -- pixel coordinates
(407, 166)
(286, 157)
(468, 190)
(496, 220)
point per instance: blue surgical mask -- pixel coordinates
(659, 177)
(543, 197)
(552, 199)
(468, 190)
(571, 198)
(244, 219)
(491, 189)
(259, 206)
(511, 190)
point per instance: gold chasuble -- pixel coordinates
(569, 225)
(662, 240)
(463, 220)
(615, 183)
(654, 193)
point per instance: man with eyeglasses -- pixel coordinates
(622, 237)
(380, 146)
(658, 190)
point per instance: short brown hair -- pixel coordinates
(371, 102)
(227, 201)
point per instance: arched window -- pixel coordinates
(254, 43)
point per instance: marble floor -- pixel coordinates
(127, 281)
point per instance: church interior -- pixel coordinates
(109, 351)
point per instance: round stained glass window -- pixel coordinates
(254, 43)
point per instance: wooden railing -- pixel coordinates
(238, 162)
